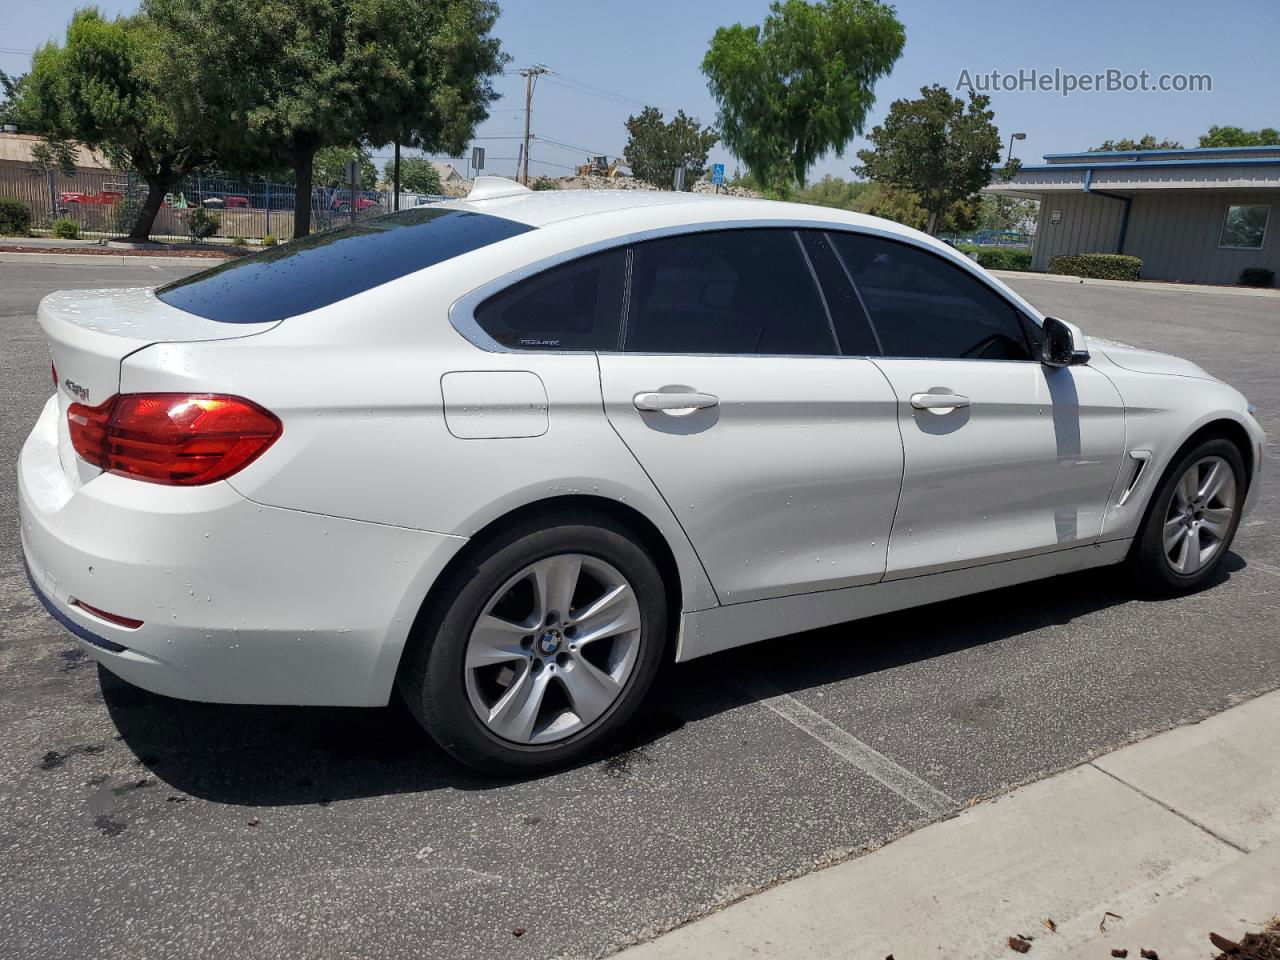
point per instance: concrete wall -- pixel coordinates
(1175, 232)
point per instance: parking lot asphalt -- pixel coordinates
(132, 825)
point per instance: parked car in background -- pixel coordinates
(339, 200)
(528, 446)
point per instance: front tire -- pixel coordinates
(539, 647)
(1191, 521)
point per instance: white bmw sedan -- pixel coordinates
(505, 455)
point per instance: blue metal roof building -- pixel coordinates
(1197, 215)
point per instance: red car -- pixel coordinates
(106, 197)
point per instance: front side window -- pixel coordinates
(726, 292)
(1245, 225)
(922, 306)
(573, 306)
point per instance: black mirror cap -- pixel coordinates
(1064, 344)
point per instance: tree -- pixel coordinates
(9, 105)
(1148, 142)
(655, 148)
(417, 175)
(286, 78)
(835, 192)
(936, 148)
(1236, 137)
(329, 168)
(800, 85)
(102, 89)
(436, 83)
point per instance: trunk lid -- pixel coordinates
(91, 331)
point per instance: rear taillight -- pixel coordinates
(172, 438)
(127, 622)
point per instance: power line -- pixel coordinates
(592, 89)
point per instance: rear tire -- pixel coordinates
(539, 647)
(1191, 520)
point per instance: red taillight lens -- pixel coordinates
(172, 438)
(119, 621)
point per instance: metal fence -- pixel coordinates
(105, 203)
(990, 238)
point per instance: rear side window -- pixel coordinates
(330, 266)
(729, 291)
(574, 306)
(922, 306)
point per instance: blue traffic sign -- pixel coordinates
(717, 173)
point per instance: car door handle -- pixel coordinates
(939, 403)
(674, 403)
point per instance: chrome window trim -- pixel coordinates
(462, 314)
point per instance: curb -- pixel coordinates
(1149, 846)
(106, 259)
(1149, 285)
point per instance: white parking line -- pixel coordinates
(845, 745)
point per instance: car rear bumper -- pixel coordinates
(240, 603)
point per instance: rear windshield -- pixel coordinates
(327, 267)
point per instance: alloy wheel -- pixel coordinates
(1200, 514)
(552, 649)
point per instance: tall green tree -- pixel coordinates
(417, 175)
(1148, 142)
(286, 78)
(656, 147)
(1236, 137)
(937, 148)
(434, 84)
(801, 84)
(102, 88)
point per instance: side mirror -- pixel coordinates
(1064, 344)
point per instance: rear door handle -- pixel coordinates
(939, 403)
(675, 404)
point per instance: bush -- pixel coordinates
(239, 242)
(15, 218)
(1257, 277)
(64, 228)
(202, 224)
(1098, 266)
(269, 240)
(1003, 259)
(544, 183)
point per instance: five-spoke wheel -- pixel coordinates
(553, 648)
(539, 645)
(1191, 519)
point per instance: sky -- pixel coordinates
(610, 59)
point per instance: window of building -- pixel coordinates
(1245, 225)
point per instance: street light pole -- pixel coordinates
(1012, 137)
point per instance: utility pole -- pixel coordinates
(530, 75)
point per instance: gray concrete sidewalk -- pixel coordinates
(1154, 286)
(1164, 840)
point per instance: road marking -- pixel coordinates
(845, 745)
